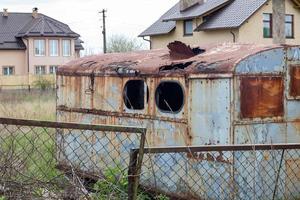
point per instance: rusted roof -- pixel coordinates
(216, 59)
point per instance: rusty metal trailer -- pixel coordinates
(214, 95)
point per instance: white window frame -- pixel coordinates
(51, 69)
(9, 73)
(39, 71)
(39, 47)
(66, 53)
(54, 50)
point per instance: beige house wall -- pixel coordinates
(48, 60)
(198, 38)
(19, 60)
(15, 58)
(250, 32)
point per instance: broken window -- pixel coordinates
(169, 97)
(134, 94)
(295, 81)
(261, 97)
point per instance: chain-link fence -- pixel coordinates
(50, 160)
(223, 172)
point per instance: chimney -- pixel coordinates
(186, 4)
(278, 21)
(35, 12)
(5, 12)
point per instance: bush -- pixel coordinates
(115, 186)
(43, 84)
(122, 43)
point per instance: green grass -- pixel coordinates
(32, 150)
(30, 157)
(36, 104)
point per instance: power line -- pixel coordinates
(104, 29)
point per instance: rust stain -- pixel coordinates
(296, 125)
(198, 156)
(179, 50)
(262, 97)
(118, 114)
(295, 81)
(216, 59)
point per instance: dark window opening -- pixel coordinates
(198, 50)
(169, 97)
(268, 25)
(188, 27)
(175, 66)
(134, 94)
(295, 81)
(261, 97)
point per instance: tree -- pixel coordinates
(121, 43)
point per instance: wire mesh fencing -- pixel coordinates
(50, 160)
(223, 172)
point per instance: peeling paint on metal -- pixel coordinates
(272, 61)
(215, 110)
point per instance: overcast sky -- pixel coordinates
(129, 17)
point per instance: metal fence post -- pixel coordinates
(132, 193)
(135, 167)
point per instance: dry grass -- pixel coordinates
(23, 104)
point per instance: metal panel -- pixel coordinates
(159, 133)
(210, 111)
(293, 132)
(293, 110)
(261, 182)
(261, 97)
(295, 81)
(265, 133)
(272, 61)
(293, 54)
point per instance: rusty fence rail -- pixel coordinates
(51, 160)
(222, 172)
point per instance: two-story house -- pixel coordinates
(216, 21)
(34, 44)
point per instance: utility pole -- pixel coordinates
(104, 29)
(278, 21)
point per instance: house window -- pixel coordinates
(53, 45)
(66, 47)
(261, 97)
(53, 69)
(39, 47)
(40, 69)
(289, 26)
(295, 81)
(8, 70)
(169, 97)
(134, 94)
(267, 25)
(188, 27)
